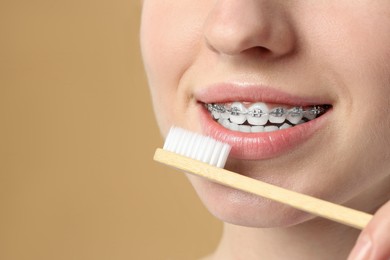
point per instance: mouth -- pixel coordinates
(262, 123)
(258, 117)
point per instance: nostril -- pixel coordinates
(260, 51)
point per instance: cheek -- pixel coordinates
(352, 51)
(170, 39)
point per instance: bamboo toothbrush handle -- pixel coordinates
(338, 213)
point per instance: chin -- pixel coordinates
(244, 209)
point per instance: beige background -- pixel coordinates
(77, 135)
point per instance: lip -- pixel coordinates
(258, 146)
(223, 93)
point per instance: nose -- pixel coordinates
(236, 26)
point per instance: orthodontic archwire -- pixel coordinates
(276, 112)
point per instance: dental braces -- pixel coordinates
(276, 112)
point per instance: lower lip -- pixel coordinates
(260, 146)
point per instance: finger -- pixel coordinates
(374, 241)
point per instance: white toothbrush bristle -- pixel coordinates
(216, 153)
(223, 156)
(199, 152)
(196, 146)
(208, 150)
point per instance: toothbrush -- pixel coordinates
(206, 157)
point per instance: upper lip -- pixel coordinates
(230, 92)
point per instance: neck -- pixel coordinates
(312, 240)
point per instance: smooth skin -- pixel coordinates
(334, 50)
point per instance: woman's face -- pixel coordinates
(264, 61)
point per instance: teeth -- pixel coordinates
(313, 112)
(237, 113)
(271, 128)
(277, 115)
(244, 128)
(257, 114)
(285, 126)
(257, 129)
(224, 122)
(259, 118)
(295, 115)
(309, 115)
(225, 115)
(233, 127)
(216, 114)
